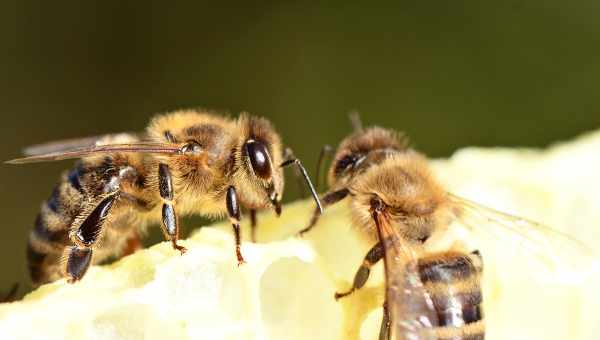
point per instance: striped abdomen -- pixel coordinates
(83, 200)
(452, 279)
(50, 234)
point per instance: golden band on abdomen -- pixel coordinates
(472, 331)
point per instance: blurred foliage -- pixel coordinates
(450, 74)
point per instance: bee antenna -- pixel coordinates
(355, 120)
(325, 151)
(313, 192)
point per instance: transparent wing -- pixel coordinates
(139, 147)
(536, 281)
(77, 143)
(552, 256)
(412, 313)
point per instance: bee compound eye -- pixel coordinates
(259, 159)
(345, 162)
(192, 147)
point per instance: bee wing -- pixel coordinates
(138, 147)
(412, 313)
(77, 143)
(557, 257)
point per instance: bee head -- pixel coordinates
(354, 149)
(260, 157)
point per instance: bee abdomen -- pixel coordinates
(35, 263)
(473, 331)
(50, 234)
(447, 267)
(452, 280)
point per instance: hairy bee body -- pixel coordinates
(386, 182)
(204, 164)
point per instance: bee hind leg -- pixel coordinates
(79, 256)
(78, 262)
(362, 274)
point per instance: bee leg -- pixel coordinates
(170, 222)
(78, 262)
(233, 209)
(79, 256)
(362, 274)
(311, 187)
(384, 331)
(330, 198)
(253, 223)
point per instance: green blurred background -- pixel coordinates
(450, 74)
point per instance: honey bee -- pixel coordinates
(187, 162)
(397, 203)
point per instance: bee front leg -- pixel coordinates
(330, 198)
(170, 222)
(233, 209)
(362, 274)
(79, 256)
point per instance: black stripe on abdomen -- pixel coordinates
(73, 177)
(457, 313)
(452, 281)
(35, 262)
(53, 202)
(446, 267)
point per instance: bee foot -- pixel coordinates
(240, 258)
(338, 296)
(302, 232)
(181, 249)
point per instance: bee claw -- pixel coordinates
(181, 249)
(240, 258)
(302, 232)
(338, 295)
